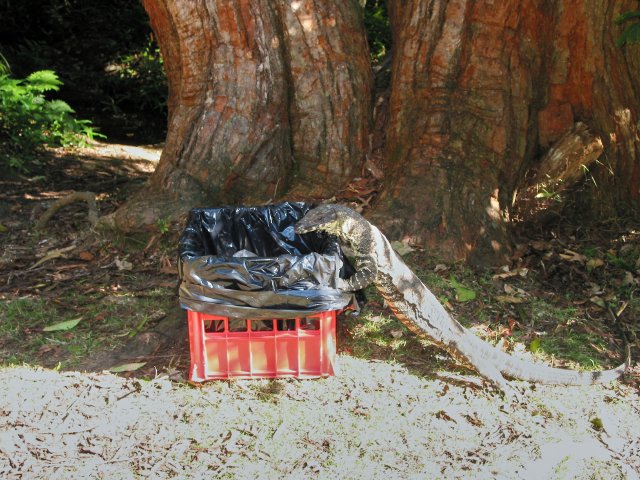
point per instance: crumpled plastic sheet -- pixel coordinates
(247, 262)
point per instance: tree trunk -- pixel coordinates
(269, 98)
(480, 89)
(330, 80)
(262, 94)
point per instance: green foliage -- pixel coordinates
(548, 194)
(28, 119)
(103, 50)
(463, 293)
(376, 21)
(163, 225)
(577, 347)
(138, 81)
(33, 327)
(631, 33)
(620, 262)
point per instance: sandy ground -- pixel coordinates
(372, 420)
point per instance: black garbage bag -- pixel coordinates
(247, 262)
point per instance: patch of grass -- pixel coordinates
(623, 263)
(432, 279)
(374, 332)
(270, 391)
(542, 312)
(379, 335)
(105, 323)
(568, 337)
(19, 318)
(580, 349)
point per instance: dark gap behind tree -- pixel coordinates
(376, 22)
(379, 37)
(109, 62)
(105, 55)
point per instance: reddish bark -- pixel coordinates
(268, 97)
(330, 81)
(481, 89)
(261, 94)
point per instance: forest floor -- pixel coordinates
(94, 357)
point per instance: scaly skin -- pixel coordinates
(412, 302)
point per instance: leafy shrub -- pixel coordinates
(376, 22)
(138, 81)
(29, 120)
(105, 52)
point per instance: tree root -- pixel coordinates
(89, 197)
(560, 168)
(565, 162)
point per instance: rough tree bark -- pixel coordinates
(480, 89)
(269, 97)
(263, 95)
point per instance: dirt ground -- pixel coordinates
(372, 420)
(391, 411)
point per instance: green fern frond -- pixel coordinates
(59, 107)
(5, 69)
(44, 81)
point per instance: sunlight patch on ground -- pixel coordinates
(372, 420)
(150, 153)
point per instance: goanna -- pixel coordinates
(412, 302)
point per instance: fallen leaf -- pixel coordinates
(127, 367)
(94, 450)
(123, 264)
(596, 424)
(3, 228)
(506, 273)
(502, 276)
(48, 349)
(473, 420)
(441, 267)
(628, 279)
(396, 333)
(594, 263)
(534, 346)
(86, 256)
(572, 256)
(595, 289)
(463, 294)
(67, 325)
(514, 290)
(598, 301)
(539, 245)
(509, 299)
(442, 415)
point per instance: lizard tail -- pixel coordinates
(534, 372)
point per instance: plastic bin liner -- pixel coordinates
(247, 262)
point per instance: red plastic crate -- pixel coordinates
(221, 347)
